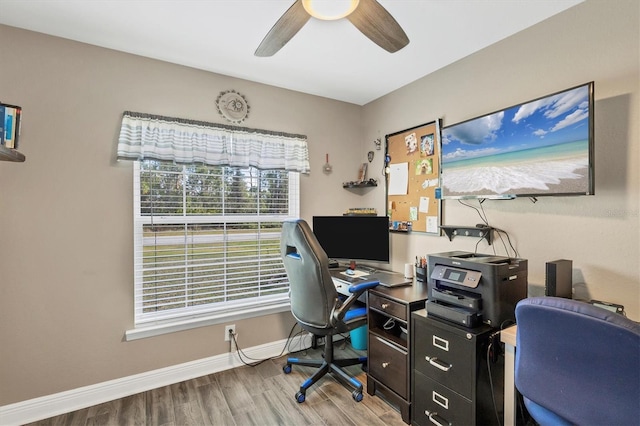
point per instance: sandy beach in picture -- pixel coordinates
(563, 176)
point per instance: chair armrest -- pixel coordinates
(362, 287)
(357, 291)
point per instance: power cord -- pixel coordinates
(389, 324)
(500, 232)
(492, 357)
(485, 221)
(241, 354)
(483, 218)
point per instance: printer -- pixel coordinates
(471, 288)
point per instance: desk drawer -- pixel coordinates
(387, 306)
(388, 364)
(445, 357)
(436, 404)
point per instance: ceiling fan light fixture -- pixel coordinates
(330, 10)
(368, 16)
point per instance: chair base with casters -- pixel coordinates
(328, 365)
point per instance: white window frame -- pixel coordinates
(147, 325)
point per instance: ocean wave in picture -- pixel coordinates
(534, 176)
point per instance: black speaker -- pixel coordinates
(558, 279)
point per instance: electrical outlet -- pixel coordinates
(228, 331)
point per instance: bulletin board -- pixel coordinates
(413, 170)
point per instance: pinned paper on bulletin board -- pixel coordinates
(412, 179)
(398, 179)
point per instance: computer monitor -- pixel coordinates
(353, 237)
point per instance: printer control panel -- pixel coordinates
(465, 277)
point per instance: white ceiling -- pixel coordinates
(326, 58)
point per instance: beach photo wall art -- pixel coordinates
(537, 148)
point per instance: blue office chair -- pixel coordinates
(316, 305)
(577, 364)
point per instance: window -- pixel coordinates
(207, 240)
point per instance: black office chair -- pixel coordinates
(577, 364)
(316, 305)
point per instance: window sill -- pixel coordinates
(174, 326)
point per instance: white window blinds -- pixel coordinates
(207, 239)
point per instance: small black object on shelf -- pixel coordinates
(485, 232)
(359, 184)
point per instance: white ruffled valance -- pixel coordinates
(145, 136)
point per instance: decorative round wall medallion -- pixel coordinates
(233, 106)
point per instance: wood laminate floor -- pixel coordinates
(244, 396)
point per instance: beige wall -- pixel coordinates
(594, 41)
(66, 252)
(66, 245)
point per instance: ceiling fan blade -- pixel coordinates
(287, 26)
(375, 22)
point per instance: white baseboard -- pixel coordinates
(64, 402)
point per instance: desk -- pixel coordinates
(508, 337)
(389, 313)
(389, 363)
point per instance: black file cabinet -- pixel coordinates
(389, 363)
(455, 378)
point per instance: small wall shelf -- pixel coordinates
(7, 154)
(365, 184)
(468, 231)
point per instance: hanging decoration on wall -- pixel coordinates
(232, 106)
(327, 166)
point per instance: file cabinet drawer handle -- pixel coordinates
(384, 305)
(438, 364)
(436, 419)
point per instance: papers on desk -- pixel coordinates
(356, 274)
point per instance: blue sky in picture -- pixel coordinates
(551, 120)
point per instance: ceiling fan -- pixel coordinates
(368, 16)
